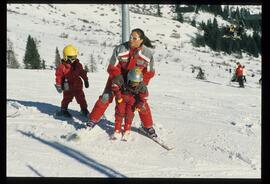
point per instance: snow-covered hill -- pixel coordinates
(214, 126)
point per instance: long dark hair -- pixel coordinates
(146, 40)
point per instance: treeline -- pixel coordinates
(213, 37)
(238, 16)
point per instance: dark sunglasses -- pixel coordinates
(71, 58)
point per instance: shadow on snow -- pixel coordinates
(77, 156)
(35, 171)
(50, 110)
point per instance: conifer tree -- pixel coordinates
(57, 58)
(43, 64)
(159, 14)
(193, 23)
(257, 39)
(31, 58)
(93, 65)
(225, 12)
(253, 48)
(197, 9)
(179, 15)
(86, 68)
(215, 35)
(12, 61)
(199, 40)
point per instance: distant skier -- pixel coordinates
(130, 96)
(68, 79)
(125, 57)
(239, 74)
(234, 77)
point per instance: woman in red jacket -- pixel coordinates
(125, 57)
(68, 79)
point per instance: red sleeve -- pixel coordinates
(143, 96)
(59, 74)
(114, 70)
(147, 75)
(116, 90)
(83, 73)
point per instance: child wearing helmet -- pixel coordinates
(68, 79)
(131, 95)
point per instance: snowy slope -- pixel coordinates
(211, 129)
(214, 126)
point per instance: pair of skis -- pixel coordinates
(157, 140)
(141, 131)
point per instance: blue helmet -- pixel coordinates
(135, 75)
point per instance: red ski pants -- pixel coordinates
(69, 95)
(107, 97)
(124, 110)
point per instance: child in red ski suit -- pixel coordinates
(68, 79)
(130, 96)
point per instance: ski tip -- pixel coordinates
(171, 148)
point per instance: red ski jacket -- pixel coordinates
(72, 72)
(125, 59)
(239, 71)
(122, 90)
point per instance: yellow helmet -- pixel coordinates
(70, 52)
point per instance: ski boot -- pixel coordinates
(150, 132)
(84, 112)
(126, 135)
(116, 135)
(63, 112)
(91, 124)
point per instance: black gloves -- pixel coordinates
(86, 84)
(58, 88)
